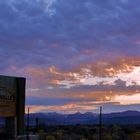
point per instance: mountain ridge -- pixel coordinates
(54, 118)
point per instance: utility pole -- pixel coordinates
(28, 117)
(100, 135)
(37, 124)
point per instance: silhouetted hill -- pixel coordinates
(127, 117)
(123, 114)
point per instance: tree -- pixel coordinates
(50, 138)
(134, 136)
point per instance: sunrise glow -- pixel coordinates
(76, 56)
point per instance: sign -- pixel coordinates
(12, 103)
(8, 96)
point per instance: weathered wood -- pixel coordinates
(12, 104)
(8, 93)
(7, 109)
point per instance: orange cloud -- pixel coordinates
(109, 68)
(93, 73)
(51, 75)
(128, 99)
(86, 106)
(67, 108)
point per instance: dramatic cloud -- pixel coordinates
(76, 50)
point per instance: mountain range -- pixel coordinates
(53, 118)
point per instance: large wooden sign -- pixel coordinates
(12, 101)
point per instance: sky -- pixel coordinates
(76, 55)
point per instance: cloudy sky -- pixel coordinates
(75, 54)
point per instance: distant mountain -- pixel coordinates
(123, 114)
(2, 122)
(53, 118)
(127, 117)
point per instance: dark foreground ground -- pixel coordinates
(84, 132)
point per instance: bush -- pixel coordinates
(50, 138)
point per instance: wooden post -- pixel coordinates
(11, 127)
(20, 106)
(100, 135)
(37, 124)
(28, 117)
